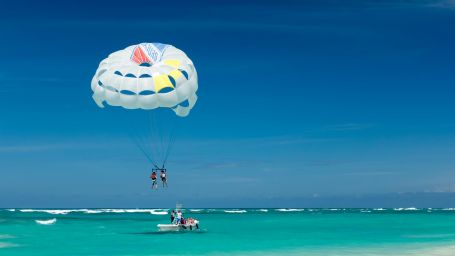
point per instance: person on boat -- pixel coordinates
(163, 177)
(172, 216)
(153, 177)
(179, 217)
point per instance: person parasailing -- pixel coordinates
(153, 177)
(163, 177)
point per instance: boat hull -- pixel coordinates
(175, 227)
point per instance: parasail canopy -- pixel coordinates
(147, 76)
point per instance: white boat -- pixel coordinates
(192, 225)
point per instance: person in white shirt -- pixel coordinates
(179, 217)
(163, 177)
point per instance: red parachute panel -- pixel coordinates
(139, 56)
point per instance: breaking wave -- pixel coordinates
(406, 209)
(161, 211)
(97, 211)
(46, 222)
(235, 211)
(289, 210)
(49, 211)
(93, 211)
(158, 212)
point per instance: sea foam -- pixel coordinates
(406, 209)
(49, 211)
(290, 210)
(46, 222)
(96, 211)
(235, 211)
(158, 212)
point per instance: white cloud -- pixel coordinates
(449, 4)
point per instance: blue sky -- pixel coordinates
(301, 103)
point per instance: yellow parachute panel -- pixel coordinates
(161, 82)
(172, 63)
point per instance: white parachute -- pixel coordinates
(147, 76)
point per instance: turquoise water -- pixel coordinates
(230, 232)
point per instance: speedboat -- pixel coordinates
(192, 224)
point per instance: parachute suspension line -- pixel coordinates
(145, 145)
(143, 142)
(161, 132)
(151, 134)
(156, 135)
(171, 143)
(142, 149)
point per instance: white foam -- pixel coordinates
(49, 211)
(158, 212)
(59, 211)
(379, 209)
(406, 209)
(290, 210)
(195, 210)
(235, 211)
(46, 222)
(448, 209)
(114, 210)
(93, 211)
(263, 210)
(28, 210)
(11, 210)
(151, 211)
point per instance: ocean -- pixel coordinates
(400, 231)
